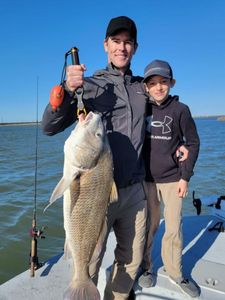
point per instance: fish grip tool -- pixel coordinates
(57, 92)
(80, 90)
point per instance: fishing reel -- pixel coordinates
(35, 233)
(57, 92)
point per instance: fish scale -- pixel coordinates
(90, 204)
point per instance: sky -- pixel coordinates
(35, 35)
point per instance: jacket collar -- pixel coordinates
(166, 102)
(113, 70)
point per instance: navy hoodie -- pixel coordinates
(168, 126)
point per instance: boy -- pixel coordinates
(169, 125)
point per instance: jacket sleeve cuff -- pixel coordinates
(67, 90)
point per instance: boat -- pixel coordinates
(203, 262)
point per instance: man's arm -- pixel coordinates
(182, 153)
(54, 122)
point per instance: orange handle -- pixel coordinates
(56, 97)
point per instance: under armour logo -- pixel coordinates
(165, 124)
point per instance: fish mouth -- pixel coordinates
(81, 117)
(86, 119)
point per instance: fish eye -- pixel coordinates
(98, 134)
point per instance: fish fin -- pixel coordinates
(60, 188)
(114, 194)
(99, 245)
(84, 290)
(58, 191)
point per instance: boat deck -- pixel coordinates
(203, 261)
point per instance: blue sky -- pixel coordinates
(36, 34)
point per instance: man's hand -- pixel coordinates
(182, 189)
(75, 76)
(182, 152)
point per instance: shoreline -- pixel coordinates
(217, 117)
(19, 123)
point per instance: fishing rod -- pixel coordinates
(35, 232)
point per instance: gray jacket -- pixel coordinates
(122, 102)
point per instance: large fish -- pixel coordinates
(88, 187)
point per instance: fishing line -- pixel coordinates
(36, 152)
(34, 232)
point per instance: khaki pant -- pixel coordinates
(128, 219)
(172, 241)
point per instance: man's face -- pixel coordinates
(120, 49)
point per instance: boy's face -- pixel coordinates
(158, 87)
(120, 49)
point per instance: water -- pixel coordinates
(17, 165)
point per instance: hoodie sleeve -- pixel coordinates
(192, 143)
(55, 122)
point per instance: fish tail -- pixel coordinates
(82, 290)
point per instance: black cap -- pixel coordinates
(122, 23)
(158, 67)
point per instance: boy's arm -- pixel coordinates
(182, 188)
(192, 143)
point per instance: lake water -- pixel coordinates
(17, 165)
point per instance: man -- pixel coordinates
(119, 97)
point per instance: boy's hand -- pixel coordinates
(182, 152)
(182, 189)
